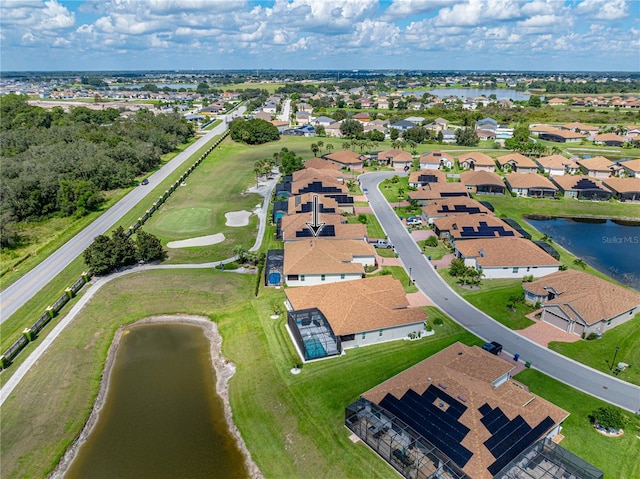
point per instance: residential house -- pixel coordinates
(436, 190)
(517, 163)
(476, 161)
(263, 115)
(536, 129)
(557, 101)
(443, 207)
(345, 159)
(439, 124)
(319, 260)
(561, 136)
(458, 414)
(581, 187)
(530, 185)
(321, 173)
(362, 117)
(506, 258)
(632, 167)
(487, 124)
(324, 185)
(632, 131)
(303, 117)
(422, 177)
(324, 121)
(296, 227)
(580, 303)
(596, 167)
(482, 182)
(280, 125)
(399, 159)
(557, 165)
(321, 164)
(464, 227)
(625, 189)
(609, 139)
(590, 131)
(448, 136)
(359, 313)
(403, 125)
(333, 129)
(486, 134)
(434, 160)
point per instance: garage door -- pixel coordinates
(557, 321)
(578, 328)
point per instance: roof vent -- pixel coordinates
(460, 353)
(482, 253)
(428, 379)
(462, 398)
(442, 386)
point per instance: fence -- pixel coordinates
(31, 333)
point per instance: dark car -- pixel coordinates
(144, 182)
(493, 347)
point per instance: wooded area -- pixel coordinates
(58, 163)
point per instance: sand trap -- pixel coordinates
(237, 218)
(199, 241)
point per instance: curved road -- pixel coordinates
(568, 371)
(14, 296)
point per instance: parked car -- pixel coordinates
(414, 221)
(144, 182)
(493, 347)
(381, 243)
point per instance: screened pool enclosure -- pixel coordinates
(313, 334)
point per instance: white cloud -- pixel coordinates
(476, 12)
(604, 9)
(409, 8)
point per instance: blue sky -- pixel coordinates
(565, 35)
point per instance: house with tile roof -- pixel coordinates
(500, 258)
(295, 228)
(459, 415)
(625, 189)
(557, 165)
(632, 167)
(581, 187)
(482, 182)
(476, 161)
(596, 167)
(359, 313)
(439, 189)
(320, 260)
(443, 207)
(434, 160)
(517, 163)
(422, 177)
(531, 185)
(395, 157)
(578, 302)
(465, 227)
(345, 159)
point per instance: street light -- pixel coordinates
(410, 279)
(614, 359)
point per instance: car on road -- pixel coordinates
(414, 221)
(144, 182)
(493, 347)
(381, 243)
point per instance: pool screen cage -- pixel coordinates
(313, 334)
(403, 448)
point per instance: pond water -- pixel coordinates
(611, 247)
(162, 417)
(500, 93)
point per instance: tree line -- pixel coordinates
(59, 164)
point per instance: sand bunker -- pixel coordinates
(199, 241)
(237, 218)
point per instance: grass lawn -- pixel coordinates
(374, 230)
(492, 298)
(293, 425)
(616, 457)
(401, 275)
(435, 252)
(599, 353)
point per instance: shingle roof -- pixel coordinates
(633, 165)
(362, 305)
(520, 160)
(434, 157)
(325, 256)
(455, 224)
(436, 207)
(395, 154)
(316, 173)
(506, 252)
(345, 157)
(473, 178)
(414, 176)
(529, 180)
(480, 159)
(296, 201)
(436, 190)
(467, 372)
(556, 162)
(623, 185)
(298, 222)
(571, 182)
(597, 163)
(321, 164)
(593, 298)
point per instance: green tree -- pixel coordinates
(351, 128)
(100, 255)
(253, 132)
(608, 417)
(534, 101)
(394, 134)
(467, 137)
(457, 267)
(149, 247)
(289, 162)
(241, 253)
(123, 248)
(580, 263)
(329, 147)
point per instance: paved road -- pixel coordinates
(570, 372)
(14, 296)
(286, 111)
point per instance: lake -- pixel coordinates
(611, 247)
(162, 416)
(500, 93)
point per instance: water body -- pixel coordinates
(611, 247)
(462, 93)
(162, 417)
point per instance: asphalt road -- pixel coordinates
(568, 371)
(17, 294)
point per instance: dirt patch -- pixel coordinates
(237, 218)
(199, 241)
(224, 369)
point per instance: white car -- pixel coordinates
(414, 221)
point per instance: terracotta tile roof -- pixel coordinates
(480, 159)
(436, 190)
(529, 180)
(556, 162)
(622, 185)
(295, 202)
(434, 157)
(521, 161)
(597, 163)
(321, 164)
(435, 207)
(344, 157)
(324, 256)
(441, 176)
(633, 165)
(455, 224)
(468, 372)
(505, 252)
(362, 305)
(593, 298)
(474, 178)
(395, 154)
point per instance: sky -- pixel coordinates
(505, 35)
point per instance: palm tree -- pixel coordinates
(346, 145)
(547, 238)
(580, 263)
(315, 148)
(320, 144)
(241, 253)
(329, 147)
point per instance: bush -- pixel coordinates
(431, 241)
(608, 417)
(592, 336)
(438, 322)
(362, 218)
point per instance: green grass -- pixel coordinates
(492, 299)
(374, 230)
(599, 353)
(616, 457)
(435, 252)
(399, 273)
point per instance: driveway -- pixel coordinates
(566, 370)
